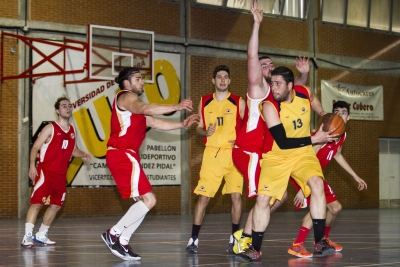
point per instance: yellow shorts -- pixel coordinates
(217, 164)
(278, 166)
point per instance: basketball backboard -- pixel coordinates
(112, 49)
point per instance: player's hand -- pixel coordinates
(323, 137)
(211, 129)
(195, 118)
(32, 173)
(257, 14)
(302, 64)
(86, 157)
(299, 199)
(361, 183)
(232, 142)
(186, 104)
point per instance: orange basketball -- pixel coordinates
(332, 120)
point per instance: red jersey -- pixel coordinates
(56, 154)
(128, 130)
(327, 151)
(250, 135)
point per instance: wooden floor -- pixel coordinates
(369, 238)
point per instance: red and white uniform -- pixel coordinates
(325, 154)
(54, 157)
(128, 131)
(250, 141)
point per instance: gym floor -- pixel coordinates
(370, 237)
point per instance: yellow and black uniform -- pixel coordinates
(301, 163)
(217, 159)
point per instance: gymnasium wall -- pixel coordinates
(213, 37)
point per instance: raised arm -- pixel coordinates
(256, 86)
(131, 102)
(303, 66)
(343, 163)
(165, 125)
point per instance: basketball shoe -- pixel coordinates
(112, 243)
(298, 249)
(335, 245)
(192, 245)
(249, 255)
(27, 241)
(231, 244)
(322, 248)
(129, 254)
(42, 238)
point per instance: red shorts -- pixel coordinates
(329, 194)
(50, 188)
(129, 176)
(248, 163)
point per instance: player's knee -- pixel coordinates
(335, 207)
(263, 201)
(55, 208)
(36, 207)
(236, 197)
(203, 200)
(149, 200)
(316, 184)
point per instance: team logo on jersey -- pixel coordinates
(265, 187)
(228, 111)
(44, 199)
(72, 136)
(201, 188)
(303, 109)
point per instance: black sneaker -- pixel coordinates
(112, 243)
(249, 255)
(322, 248)
(129, 254)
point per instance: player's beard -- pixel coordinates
(282, 97)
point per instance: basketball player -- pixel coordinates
(250, 136)
(220, 115)
(325, 153)
(56, 143)
(129, 119)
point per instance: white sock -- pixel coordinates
(133, 217)
(29, 228)
(43, 228)
(127, 233)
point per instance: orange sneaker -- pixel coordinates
(299, 250)
(335, 245)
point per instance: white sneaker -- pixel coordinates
(27, 241)
(231, 244)
(192, 245)
(42, 238)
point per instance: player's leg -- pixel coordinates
(334, 208)
(42, 235)
(210, 179)
(30, 221)
(132, 183)
(308, 170)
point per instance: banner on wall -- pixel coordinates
(160, 152)
(366, 102)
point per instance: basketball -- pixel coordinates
(332, 120)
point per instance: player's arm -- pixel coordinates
(343, 163)
(278, 132)
(242, 105)
(77, 153)
(201, 128)
(315, 103)
(44, 137)
(165, 125)
(256, 88)
(131, 102)
(303, 66)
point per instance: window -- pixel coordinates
(372, 14)
(287, 8)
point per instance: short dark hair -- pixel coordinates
(341, 104)
(219, 68)
(125, 74)
(264, 57)
(57, 104)
(286, 74)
